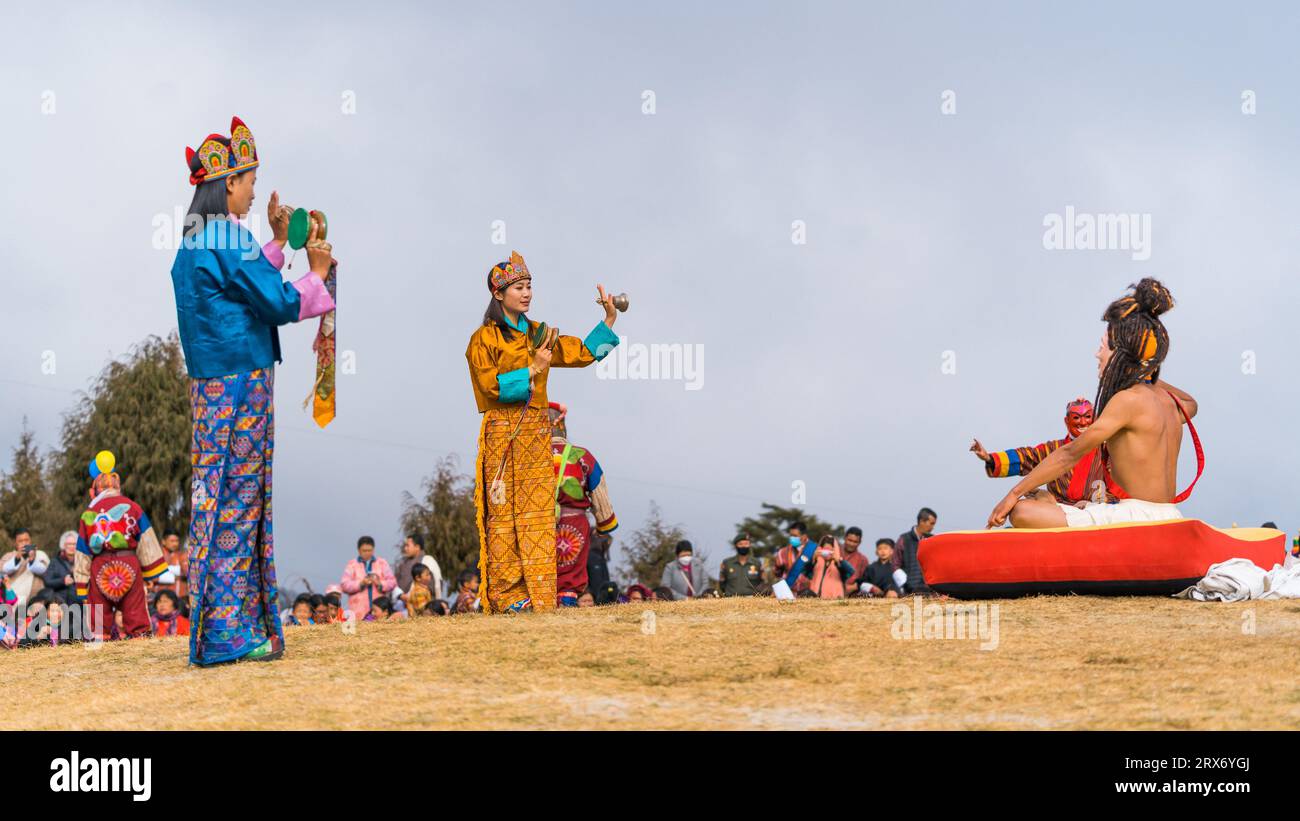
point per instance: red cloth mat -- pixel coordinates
(1129, 559)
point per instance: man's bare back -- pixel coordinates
(1144, 451)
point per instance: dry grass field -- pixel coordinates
(1060, 662)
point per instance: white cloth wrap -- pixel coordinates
(1125, 510)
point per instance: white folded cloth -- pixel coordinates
(1243, 580)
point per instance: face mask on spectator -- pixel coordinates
(825, 553)
(794, 541)
(685, 559)
(742, 551)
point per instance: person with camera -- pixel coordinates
(366, 578)
(24, 566)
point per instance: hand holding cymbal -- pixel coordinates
(319, 252)
(542, 356)
(301, 223)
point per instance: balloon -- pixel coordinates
(105, 461)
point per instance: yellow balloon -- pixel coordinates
(105, 461)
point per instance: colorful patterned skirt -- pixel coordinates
(116, 584)
(572, 547)
(232, 565)
(515, 500)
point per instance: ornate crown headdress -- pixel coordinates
(219, 157)
(505, 273)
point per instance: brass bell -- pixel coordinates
(620, 302)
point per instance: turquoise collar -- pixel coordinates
(522, 327)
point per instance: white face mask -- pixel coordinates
(685, 560)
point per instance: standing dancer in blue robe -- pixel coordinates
(230, 299)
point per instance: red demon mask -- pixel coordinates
(1078, 416)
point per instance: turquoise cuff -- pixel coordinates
(513, 385)
(600, 341)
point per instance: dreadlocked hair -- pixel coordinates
(1138, 339)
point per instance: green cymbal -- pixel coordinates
(299, 228)
(539, 334)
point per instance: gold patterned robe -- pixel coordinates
(514, 480)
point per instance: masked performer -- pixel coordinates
(1139, 427)
(579, 487)
(1020, 461)
(117, 551)
(229, 301)
(510, 357)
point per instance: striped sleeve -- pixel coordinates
(150, 553)
(1002, 463)
(1019, 461)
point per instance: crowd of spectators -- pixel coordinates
(41, 588)
(370, 589)
(823, 567)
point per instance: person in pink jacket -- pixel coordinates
(366, 578)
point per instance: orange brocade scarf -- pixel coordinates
(322, 393)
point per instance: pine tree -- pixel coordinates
(25, 495)
(445, 517)
(138, 408)
(649, 550)
(769, 530)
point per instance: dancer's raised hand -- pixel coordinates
(607, 302)
(278, 215)
(978, 449)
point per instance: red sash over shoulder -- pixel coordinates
(1118, 491)
(1082, 471)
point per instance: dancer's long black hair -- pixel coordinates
(1138, 339)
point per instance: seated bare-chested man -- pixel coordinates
(1137, 417)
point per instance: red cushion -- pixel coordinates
(1136, 558)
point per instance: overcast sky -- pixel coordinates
(823, 361)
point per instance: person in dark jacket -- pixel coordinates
(58, 576)
(598, 564)
(878, 578)
(908, 545)
(741, 574)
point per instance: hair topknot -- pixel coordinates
(1152, 296)
(1137, 338)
